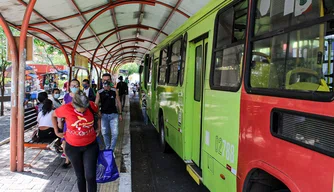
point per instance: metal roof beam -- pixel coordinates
(140, 19)
(51, 24)
(123, 48)
(111, 30)
(115, 47)
(85, 21)
(115, 54)
(167, 20)
(122, 42)
(98, 8)
(124, 53)
(107, 37)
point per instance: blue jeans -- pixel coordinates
(143, 110)
(110, 126)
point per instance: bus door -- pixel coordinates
(199, 52)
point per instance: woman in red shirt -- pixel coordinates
(80, 136)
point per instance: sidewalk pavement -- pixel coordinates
(46, 174)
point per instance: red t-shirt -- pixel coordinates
(80, 130)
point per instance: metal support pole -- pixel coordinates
(13, 117)
(90, 73)
(76, 74)
(69, 79)
(22, 57)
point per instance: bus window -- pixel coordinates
(150, 65)
(163, 66)
(297, 56)
(229, 47)
(175, 62)
(184, 52)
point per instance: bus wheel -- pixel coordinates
(162, 141)
(261, 181)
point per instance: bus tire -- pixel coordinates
(162, 141)
(261, 181)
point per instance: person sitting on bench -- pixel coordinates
(46, 130)
(41, 98)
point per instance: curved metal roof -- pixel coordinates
(108, 31)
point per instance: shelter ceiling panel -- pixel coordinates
(176, 21)
(70, 44)
(155, 16)
(13, 11)
(86, 55)
(90, 15)
(160, 39)
(103, 36)
(103, 23)
(196, 5)
(142, 50)
(169, 2)
(85, 5)
(48, 28)
(145, 44)
(130, 33)
(110, 40)
(149, 34)
(89, 43)
(127, 14)
(128, 44)
(51, 9)
(72, 27)
(80, 49)
(68, 50)
(101, 53)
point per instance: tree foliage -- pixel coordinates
(3, 65)
(46, 53)
(131, 67)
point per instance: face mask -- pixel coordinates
(56, 96)
(85, 86)
(74, 89)
(106, 84)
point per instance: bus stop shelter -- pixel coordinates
(108, 33)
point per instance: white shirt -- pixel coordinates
(86, 91)
(45, 120)
(55, 103)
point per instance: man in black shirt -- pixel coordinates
(122, 89)
(111, 111)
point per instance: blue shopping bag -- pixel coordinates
(106, 168)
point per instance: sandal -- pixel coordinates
(66, 165)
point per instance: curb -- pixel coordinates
(125, 184)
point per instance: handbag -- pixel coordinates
(106, 168)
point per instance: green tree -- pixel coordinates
(45, 53)
(3, 66)
(131, 67)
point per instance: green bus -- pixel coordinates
(240, 93)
